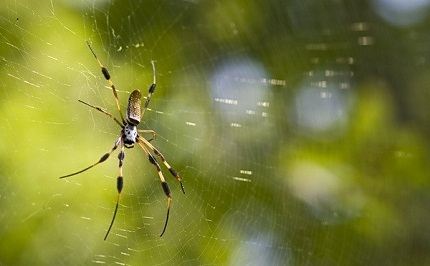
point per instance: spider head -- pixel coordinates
(129, 135)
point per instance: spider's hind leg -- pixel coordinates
(150, 90)
(102, 111)
(106, 75)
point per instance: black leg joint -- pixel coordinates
(166, 188)
(119, 183)
(104, 158)
(121, 156)
(173, 172)
(151, 159)
(106, 73)
(116, 96)
(152, 88)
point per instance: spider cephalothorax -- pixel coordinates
(129, 136)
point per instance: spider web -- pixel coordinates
(206, 98)
(234, 117)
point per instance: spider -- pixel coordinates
(129, 136)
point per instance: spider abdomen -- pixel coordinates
(133, 108)
(129, 135)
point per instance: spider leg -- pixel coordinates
(106, 75)
(161, 156)
(102, 159)
(164, 184)
(151, 89)
(119, 185)
(152, 132)
(102, 111)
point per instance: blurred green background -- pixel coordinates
(300, 129)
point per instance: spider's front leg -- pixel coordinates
(164, 184)
(101, 160)
(161, 156)
(119, 186)
(152, 132)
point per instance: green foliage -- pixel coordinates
(271, 187)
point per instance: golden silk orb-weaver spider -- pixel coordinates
(129, 136)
